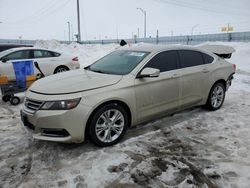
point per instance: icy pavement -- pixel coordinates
(194, 148)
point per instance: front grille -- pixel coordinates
(33, 105)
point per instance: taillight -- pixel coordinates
(75, 59)
(234, 66)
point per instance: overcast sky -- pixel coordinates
(100, 19)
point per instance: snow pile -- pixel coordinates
(87, 53)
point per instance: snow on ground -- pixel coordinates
(194, 148)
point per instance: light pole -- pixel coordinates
(78, 22)
(69, 30)
(145, 20)
(192, 31)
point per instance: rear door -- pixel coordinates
(6, 68)
(158, 95)
(46, 61)
(195, 77)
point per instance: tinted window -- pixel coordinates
(164, 61)
(190, 58)
(42, 54)
(55, 54)
(23, 54)
(207, 58)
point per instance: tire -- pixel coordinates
(216, 96)
(15, 101)
(104, 129)
(6, 98)
(61, 69)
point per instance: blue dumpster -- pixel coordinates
(22, 70)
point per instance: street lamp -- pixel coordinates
(192, 31)
(145, 20)
(69, 30)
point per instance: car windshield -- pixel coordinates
(5, 52)
(120, 62)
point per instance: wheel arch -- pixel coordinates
(218, 81)
(61, 66)
(119, 102)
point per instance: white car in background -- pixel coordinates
(50, 62)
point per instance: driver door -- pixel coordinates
(156, 96)
(6, 68)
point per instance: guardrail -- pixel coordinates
(187, 39)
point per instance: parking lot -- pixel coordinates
(194, 148)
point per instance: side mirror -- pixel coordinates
(4, 59)
(149, 72)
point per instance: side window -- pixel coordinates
(22, 54)
(190, 58)
(207, 58)
(38, 54)
(164, 61)
(55, 54)
(42, 54)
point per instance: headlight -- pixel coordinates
(61, 105)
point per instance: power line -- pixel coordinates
(52, 9)
(200, 7)
(44, 9)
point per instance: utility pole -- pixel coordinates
(78, 22)
(138, 32)
(72, 38)
(69, 30)
(145, 20)
(157, 36)
(192, 31)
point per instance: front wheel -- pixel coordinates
(15, 100)
(216, 96)
(108, 125)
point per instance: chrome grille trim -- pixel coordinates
(33, 105)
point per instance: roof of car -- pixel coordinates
(156, 48)
(28, 48)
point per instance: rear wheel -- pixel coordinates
(108, 125)
(61, 69)
(6, 98)
(216, 96)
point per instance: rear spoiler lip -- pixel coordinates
(222, 51)
(224, 56)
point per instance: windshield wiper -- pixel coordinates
(99, 71)
(93, 70)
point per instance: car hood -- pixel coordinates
(73, 82)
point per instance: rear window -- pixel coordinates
(42, 54)
(207, 58)
(190, 58)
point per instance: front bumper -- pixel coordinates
(57, 125)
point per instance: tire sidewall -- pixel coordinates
(92, 133)
(14, 101)
(60, 67)
(209, 102)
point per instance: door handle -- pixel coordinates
(175, 76)
(205, 70)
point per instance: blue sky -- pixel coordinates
(100, 19)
